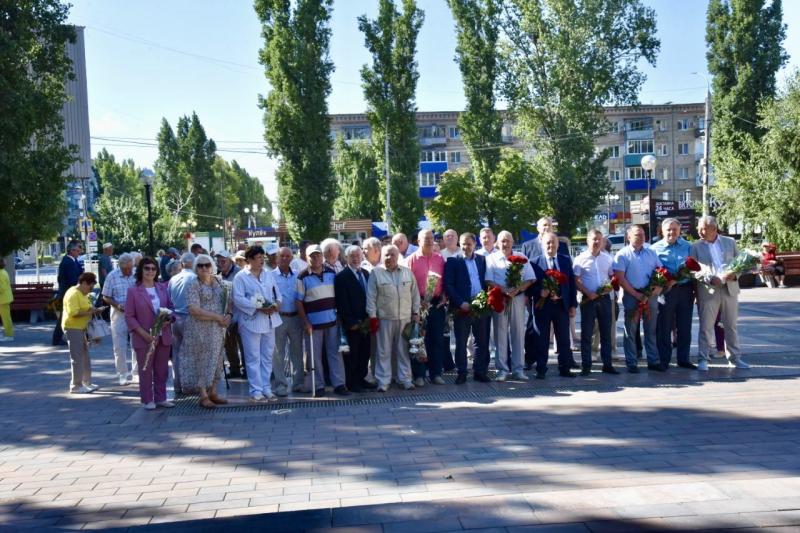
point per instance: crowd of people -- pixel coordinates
(347, 316)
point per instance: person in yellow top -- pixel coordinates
(78, 310)
(6, 297)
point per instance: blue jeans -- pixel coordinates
(649, 328)
(676, 311)
(600, 310)
(462, 326)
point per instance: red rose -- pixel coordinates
(692, 264)
(374, 325)
(519, 259)
(614, 283)
(497, 299)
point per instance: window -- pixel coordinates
(701, 123)
(440, 156)
(614, 151)
(455, 157)
(640, 124)
(683, 149)
(682, 173)
(662, 125)
(640, 147)
(613, 175)
(615, 127)
(426, 157)
(455, 133)
(430, 179)
(663, 174)
(663, 149)
(684, 124)
(665, 195)
(432, 131)
(357, 133)
(635, 173)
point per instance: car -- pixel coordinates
(617, 242)
(82, 258)
(19, 264)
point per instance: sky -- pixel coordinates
(148, 60)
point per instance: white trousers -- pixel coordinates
(258, 349)
(122, 344)
(510, 324)
(720, 301)
(392, 345)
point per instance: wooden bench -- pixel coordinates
(791, 265)
(33, 297)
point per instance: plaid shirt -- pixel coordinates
(117, 285)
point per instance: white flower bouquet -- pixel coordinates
(156, 330)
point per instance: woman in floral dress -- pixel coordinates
(204, 334)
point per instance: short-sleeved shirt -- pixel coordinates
(673, 256)
(287, 286)
(317, 293)
(420, 266)
(593, 270)
(178, 290)
(75, 302)
(496, 265)
(116, 287)
(638, 265)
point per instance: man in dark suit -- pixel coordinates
(464, 278)
(533, 248)
(557, 309)
(68, 272)
(350, 286)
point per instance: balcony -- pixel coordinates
(643, 134)
(640, 185)
(426, 142)
(634, 160)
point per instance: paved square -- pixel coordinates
(678, 450)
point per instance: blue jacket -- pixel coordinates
(68, 272)
(569, 292)
(533, 249)
(457, 285)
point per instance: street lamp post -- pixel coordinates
(706, 144)
(147, 177)
(649, 164)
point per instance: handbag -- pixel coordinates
(97, 329)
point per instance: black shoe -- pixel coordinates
(657, 367)
(341, 390)
(528, 367)
(481, 378)
(566, 374)
(610, 370)
(690, 366)
(633, 369)
(366, 385)
(319, 392)
(575, 366)
(540, 374)
(356, 388)
(586, 371)
(461, 379)
(235, 374)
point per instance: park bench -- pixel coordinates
(33, 297)
(791, 266)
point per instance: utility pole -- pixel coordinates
(706, 146)
(388, 180)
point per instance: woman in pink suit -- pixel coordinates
(144, 300)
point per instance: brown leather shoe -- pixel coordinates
(217, 400)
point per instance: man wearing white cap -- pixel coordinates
(271, 262)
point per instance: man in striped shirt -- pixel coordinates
(316, 305)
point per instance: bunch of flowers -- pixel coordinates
(416, 342)
(615, 283)
(606, 288)
(514, 271)
(344, 346)
(659, 278)
(553, 280)
(431, 283)
(746, 262)
(156, 330)
(478, 306)
(496, 299)
(688, 269)
(368, 326)
(264, 303)
(227, 290)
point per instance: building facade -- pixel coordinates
(673, 133)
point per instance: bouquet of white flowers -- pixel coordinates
(156, 330)
(227, 291)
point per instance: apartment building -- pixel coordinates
(674, 133)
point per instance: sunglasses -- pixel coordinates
(203, 265)
(149, 269)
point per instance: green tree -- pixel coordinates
(357, 177)
(389, 87)
(296, 63)
(122, 220)
(745, 51)
(480, 125)
(33, 159)
(119, 179)
(241, 191)
(562, 60)
(457, 202)
(516, 193)
(766, 193)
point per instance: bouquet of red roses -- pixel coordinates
(514, 271)
(553, 279)
(687, 270)
(496, 299)
(659, 278)
(615, 283)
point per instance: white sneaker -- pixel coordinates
(408, 386)
(740, 364)
(501, 376)
(419, 382)
(520, 376)
(123, 380)
(270, 397)
(383, 388)
(702, 365)
(168, 404)
(149, 406)
(6, 339)
(82, 390)
(720, 353)
(92, 387)
(439, 380)
(258, 397)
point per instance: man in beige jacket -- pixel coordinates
(392, 298)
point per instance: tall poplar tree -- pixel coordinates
(390, 85)
(33, 159)
(563, 60)
(357, 179)
(477, 28)
(297, 128)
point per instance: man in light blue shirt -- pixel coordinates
(633, 266)
(291, 330)
(178, 291)
(677, 307)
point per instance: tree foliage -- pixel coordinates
(33, 159)
(357, 177)
(517, 193)
(457, 202)
(766, 192)
(390, 85)
(562, 60)
(477, 29)
(296, 63)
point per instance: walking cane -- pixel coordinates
(311, 354)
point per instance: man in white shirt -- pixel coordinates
(115, 293)
(450, 241)
(487, 242)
